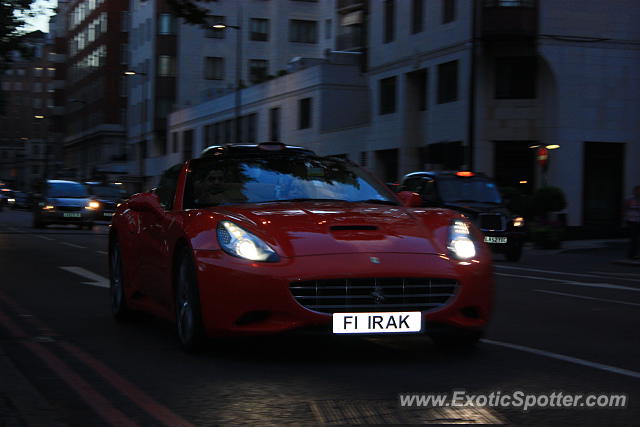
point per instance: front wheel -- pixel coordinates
(187, 305)
(119, 307)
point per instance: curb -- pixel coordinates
(26, 406)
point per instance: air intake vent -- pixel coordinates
(352, 227)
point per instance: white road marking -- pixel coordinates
(586, 297)
(612, 274)
(574, 360)
(573, 282)
(102, 252)
(96, 279)
(564, 273)
(42, 237)
(73, 245)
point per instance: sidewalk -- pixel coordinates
(21, 405)
(569, 246)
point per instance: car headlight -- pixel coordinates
(460, 244)
(93, 205)
(518, 221)
(239, 242)
(47, 207)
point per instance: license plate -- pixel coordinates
(492, 239)
(72, 214)
(109, 214)
(385, 323)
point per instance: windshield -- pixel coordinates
(468, 190)
(219, 181)
(67, 190)
(106, 191)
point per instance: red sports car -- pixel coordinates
(268, 238)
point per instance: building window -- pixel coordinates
(212, 33)
(274, 124)
(417, 16)
(166, 66)
(187, 144)
(389, 20)
(327, 28)
(388, 95)
(124, 22)
(124, 53)
(37, 72)
(448, 82)
(258, 70)
(213, 68)
(175, 137)
(259, 30)
(515, 77)
(37, 87)
(448, 11)
(304, 113)
(166, 24)
(417, 83)
(303, 31)
(252, 121)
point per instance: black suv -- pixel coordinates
(108, 195)
(476, 196)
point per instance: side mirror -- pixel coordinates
(410, 199)
(146, 202)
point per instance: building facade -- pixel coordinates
(95, 98)
(459, 84)
(29, 129)
(179, 65)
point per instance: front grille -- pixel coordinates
(373, 294)
(494, 222)
(69, 208)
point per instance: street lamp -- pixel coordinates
(218, 26)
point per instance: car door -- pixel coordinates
(155, 255)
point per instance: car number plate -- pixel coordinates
(108, 214)
(492, 239)
(368, 323)
(72, 214)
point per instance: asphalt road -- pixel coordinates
(563, 322)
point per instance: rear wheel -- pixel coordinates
(187, 304)
(119, 307)
(37, 222)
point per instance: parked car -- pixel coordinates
(108, 195)
(263, 239)
(476, 196)
(8, 198)
(63, 202)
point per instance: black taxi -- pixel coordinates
(476, 196)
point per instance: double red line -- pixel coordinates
(92, 397)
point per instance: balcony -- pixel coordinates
(509, 19)
(343, 5)
(349, 41)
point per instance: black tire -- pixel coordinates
(187, 304)
(457, 339)
(119, 307)
(37, 223)
(513, 253)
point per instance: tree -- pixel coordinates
(190, 11)
(12, 19)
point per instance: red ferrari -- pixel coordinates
(268, 238)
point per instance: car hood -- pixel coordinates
(73, 202)
(312, 228)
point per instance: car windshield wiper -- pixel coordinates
(377, 202)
